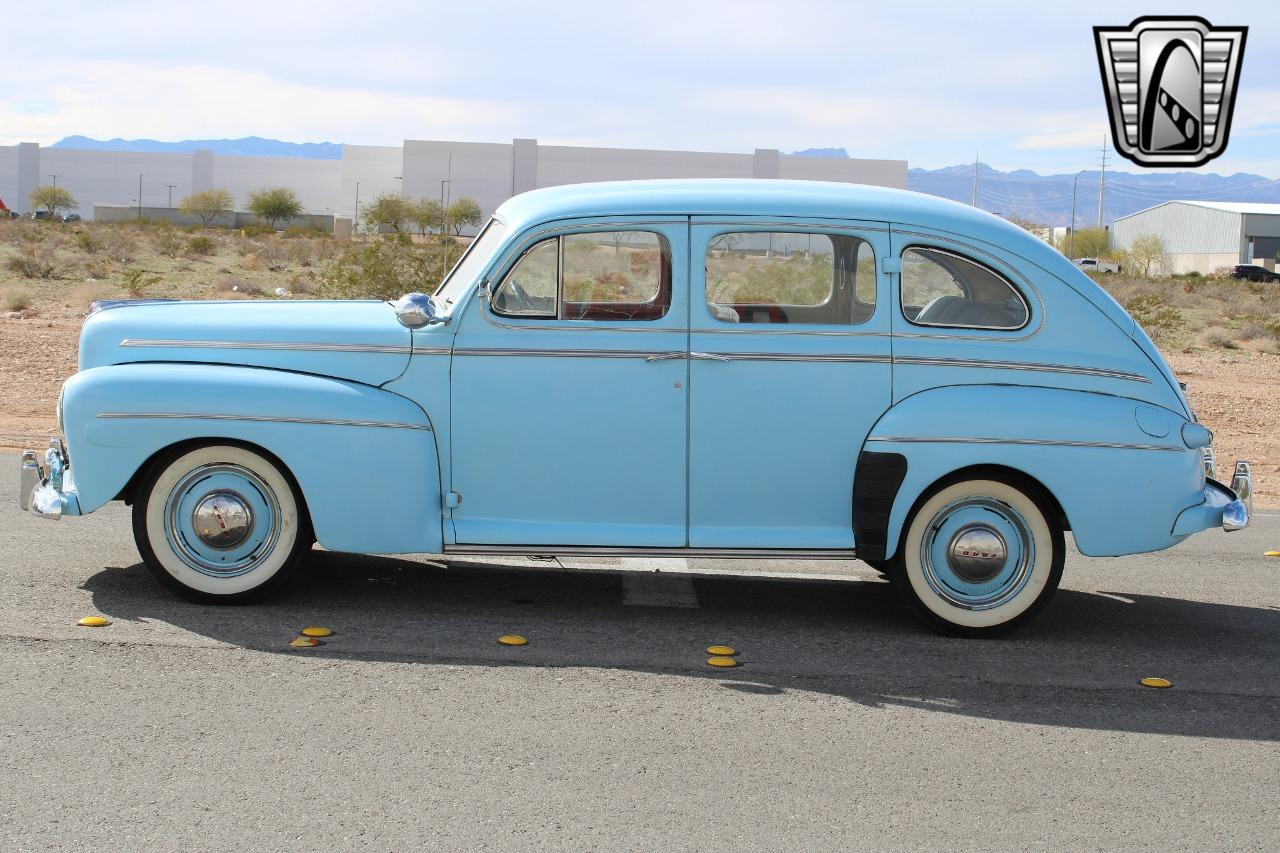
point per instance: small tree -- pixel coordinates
(53, 199)
(1092, 242)
(1147, 251)
(426, 213)
(389, 209)
(464, 211)
(206, 205)
(274, 204)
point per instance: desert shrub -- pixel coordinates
(84, 295)
(87, 242)
(201, 246)
(98, 268)
(137, 281)
(231, 284)
(34, 261)
(379, 269)
(252, 262)
(295, 231)
(16, 299)
(256, 229)
(274, 255)
(1158, 319)
(1250, 331)
(119, 245)
(301, 284)
(1216, 337)
(166, 239)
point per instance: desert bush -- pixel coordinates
(251, 262)
(256, 229)
(16, 299)
(295, 231)
(166, 239)
(380, 269)
(301, 252)
(201, 246)
(87, 242)
(1250, 331)
(119, 245)
(98, 268)
(301, 284)
(1262, 343)
(1158, 319)
(274, 255)
(84, 295)
(137, 281)
(34, 261)
(233, 285)
(1216, 337)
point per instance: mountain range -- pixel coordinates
(1020, 194)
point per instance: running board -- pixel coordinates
(688, 553)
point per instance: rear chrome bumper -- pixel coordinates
(47, 490)
(1228, 508)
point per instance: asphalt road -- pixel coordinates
(181, 726)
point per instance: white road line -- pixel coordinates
(651, 582)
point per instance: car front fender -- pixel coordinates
(364, 459)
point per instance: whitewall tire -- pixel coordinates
(219, 523)
(979, 557)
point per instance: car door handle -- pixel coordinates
(663, 356)
(709, 356)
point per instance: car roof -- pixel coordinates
(801, 200)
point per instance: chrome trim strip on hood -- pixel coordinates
(1036, 442)
(302, 346)
(260, 419)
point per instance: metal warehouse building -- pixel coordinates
(1202, 236)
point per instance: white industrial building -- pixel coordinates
(1203, 236)
(487, 172)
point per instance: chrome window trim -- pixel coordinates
(301, 346)
(259, 419)
(606, 551)
(796, 329)
(961, 257)
(1034, 442)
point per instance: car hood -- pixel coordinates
(359, 341)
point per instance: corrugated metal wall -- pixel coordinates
(1186, 229)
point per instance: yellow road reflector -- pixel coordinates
(315, 631)
(1156, 682)
(513, 640)
(721, 651)
(303, 642)
(1272, 554)
(720, 660)
(94, 622)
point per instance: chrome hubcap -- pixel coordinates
(977, 553)
(222, 519)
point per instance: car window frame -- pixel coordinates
(902, 307)
(665, 251)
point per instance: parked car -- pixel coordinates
(765, 369)
(41, 216)
(71, 217)
(1253, 272)
(1097, 265)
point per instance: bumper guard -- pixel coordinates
(47, 490)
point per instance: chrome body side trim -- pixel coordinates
(301, 346)
(788, 356)
(417, 350)
(1037, 442)
(693, 553)
(1020, 365)
(647, 355)
(180, 416)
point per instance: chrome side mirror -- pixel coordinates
(415, 310)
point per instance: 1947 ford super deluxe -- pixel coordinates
(694, 368)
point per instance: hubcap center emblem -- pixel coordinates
(222, 520)
(977, 553)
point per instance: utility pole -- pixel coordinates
(973, 201)
(1071, 252)
(1102, 178)
(171, 186)
(355, 223)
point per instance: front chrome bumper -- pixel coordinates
(1229, 508)
(47, 490)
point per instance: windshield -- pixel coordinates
(477, 256)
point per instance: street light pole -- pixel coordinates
(170, 186)
(355, 221)
(139, 196)
(55, 180)
(1071, 252)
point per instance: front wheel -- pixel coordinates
(979, 558)
(219, 523)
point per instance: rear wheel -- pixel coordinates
(220, 523)
(979, 557)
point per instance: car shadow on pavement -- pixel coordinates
(1077, 665)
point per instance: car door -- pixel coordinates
(790, 366)
(569, 391)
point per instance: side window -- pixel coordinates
(940, 288)
(790, 277)
(602, 275)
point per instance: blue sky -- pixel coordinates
(926, 82)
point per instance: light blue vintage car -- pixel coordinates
(711, 368)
